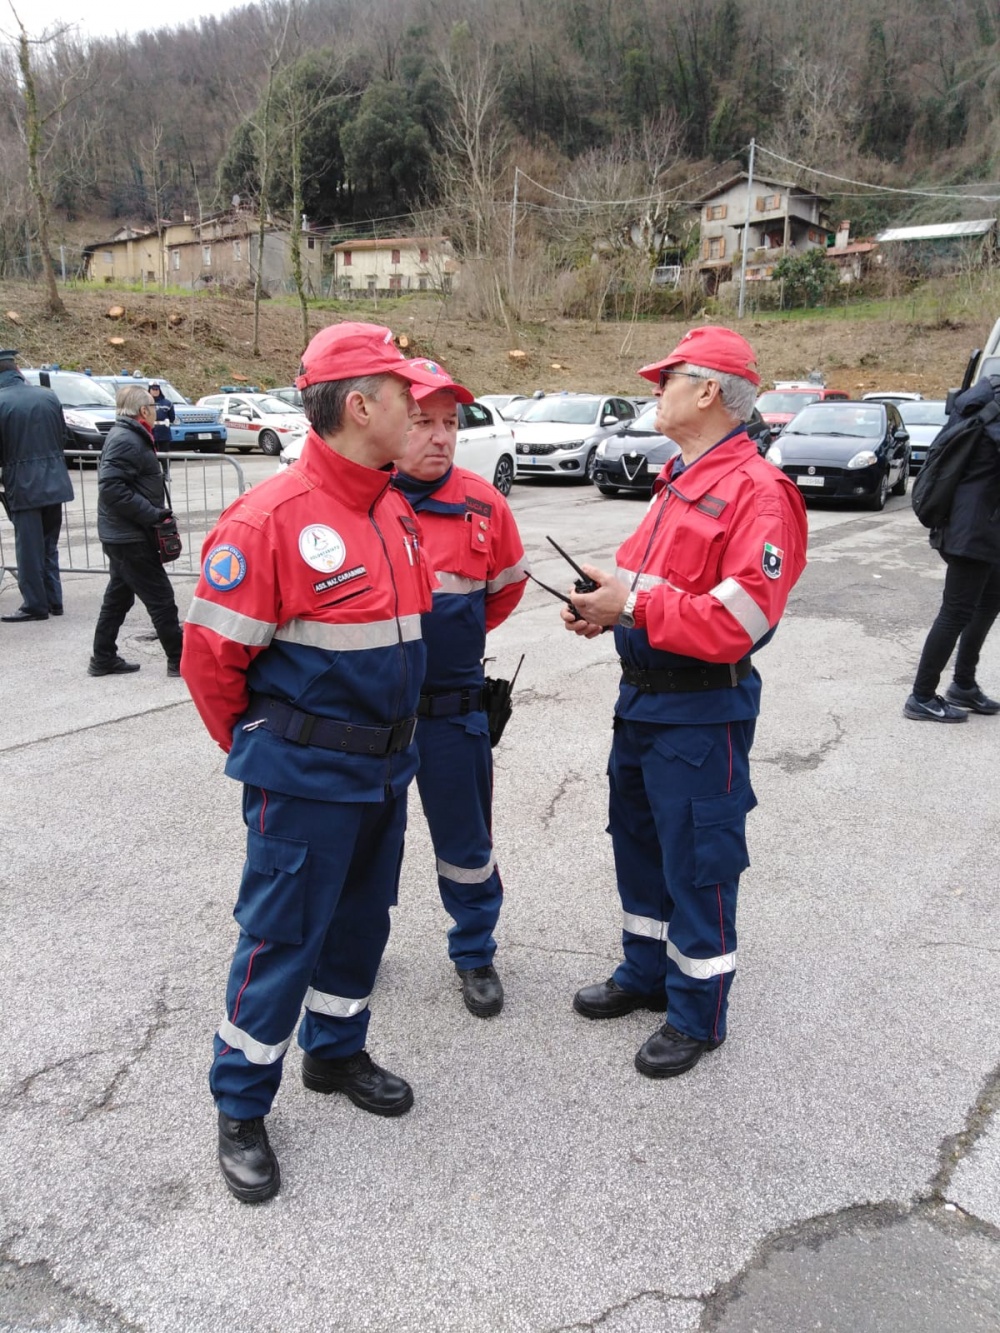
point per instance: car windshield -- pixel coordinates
(645, 421)
(866, 422)
(272, 405)
(569, 411)
(78, 391)
(169, 392)
(785, 402)
(923, 414)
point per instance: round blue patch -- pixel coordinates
(225, 568)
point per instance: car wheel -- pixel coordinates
(904, 479)
(878, 500)
(243, 448)
(591, 460)
(503, 477)
(269, 443)
(608, 490)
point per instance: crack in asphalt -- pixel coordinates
(651, 1294)
(565, 783)
(35, 1297)
(790, 762)
(93, 726)
(104, 1100)
(955, 1147)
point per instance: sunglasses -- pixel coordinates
(688, 374)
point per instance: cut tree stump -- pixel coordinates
(517, 355)
(117, 342)
(13, 316)
(115, 312)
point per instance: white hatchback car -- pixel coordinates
(485, 446)
(258, 421)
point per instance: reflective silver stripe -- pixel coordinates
(350, 638)
(229, 623)
(646, 581)
(255, 1051)
(702, 968)
(335, 1006)
(462, 876)
(512, 574)
(742, 607)
(458, 583)
(644, 925)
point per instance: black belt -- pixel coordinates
(667, 680)
(291, 724)
(451, 703)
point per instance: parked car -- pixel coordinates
(288, 394)
(778, 406)
(630, 458)
(485, 446)
(558, 435)
(88, 407)
(846, 451)
(891, 396)
(196, 429)
(923, 420)
(257, 420)
(509, 405)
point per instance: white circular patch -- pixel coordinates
(322, 548)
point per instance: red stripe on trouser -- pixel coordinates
(718, 894)
(246, 983)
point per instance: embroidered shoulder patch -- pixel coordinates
(475, 506)
(225, 568)
(771, 560)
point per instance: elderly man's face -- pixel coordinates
(679, 393)
(430, 445)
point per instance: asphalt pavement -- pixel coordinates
(833, 1167)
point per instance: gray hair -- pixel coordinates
(324, 403)
(737, 394)
(130, 399)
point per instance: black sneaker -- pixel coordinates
(934, 709)
(973, 699)
(173, 668)
(482, 990)
(117, 666)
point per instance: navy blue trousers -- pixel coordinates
(678, 806)
(36, 549)
(455, 781)
(313, 910)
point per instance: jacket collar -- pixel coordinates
(139, 427)
(354, 484)
(699, 477)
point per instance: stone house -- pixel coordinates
(396, 264)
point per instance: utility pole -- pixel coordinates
(513, 229)
(746, 234)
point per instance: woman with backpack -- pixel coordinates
(969, 543)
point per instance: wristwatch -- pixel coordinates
(627, 617)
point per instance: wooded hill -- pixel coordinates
(352, 110)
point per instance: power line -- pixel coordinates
(881, 189)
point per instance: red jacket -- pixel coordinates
(311, 591)
(717, 554)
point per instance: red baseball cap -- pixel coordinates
(349, 351)
(442, 381)
(711, 346)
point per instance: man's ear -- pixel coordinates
(356, 408)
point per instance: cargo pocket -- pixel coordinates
(272, 897)
(720, 845)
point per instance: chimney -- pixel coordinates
(844, 233)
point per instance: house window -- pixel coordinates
(109, 256)
(717, 247)
(767, 202)
(175, 259)
(311, 243)
(347, 259)
(446, 283)
(237, 249)
(150, 275)
(715, 212)
(424, 255)
(206, 256)
(345, 284)
(372, 282)
(395, 256)
(395, 282)
(422, 284)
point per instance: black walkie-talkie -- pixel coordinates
(583, 583)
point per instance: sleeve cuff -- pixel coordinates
(639, 613)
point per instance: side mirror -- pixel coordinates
(609, 419)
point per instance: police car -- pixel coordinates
(257, 421)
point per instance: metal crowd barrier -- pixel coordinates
(201, 486)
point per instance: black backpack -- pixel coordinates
(944, 467)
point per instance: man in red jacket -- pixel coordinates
(472, 543)
(303, 654)
(702, 583)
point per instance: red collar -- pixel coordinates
(699, 477)
(353, 483)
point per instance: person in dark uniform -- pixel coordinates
(36, 485)
(304, 657)
(472, 543)
(701, 583)
(131, 500)
(165, 414)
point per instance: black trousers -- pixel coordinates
(968, 609)
(136, 571)
(36, 549)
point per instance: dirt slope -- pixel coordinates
(199, 342)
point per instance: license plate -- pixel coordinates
(810, 481)
(205, 435)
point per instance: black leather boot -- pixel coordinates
(482, 990)
(608, 1000)
(669, 1052)
(249, 1167)
(358, 1077)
